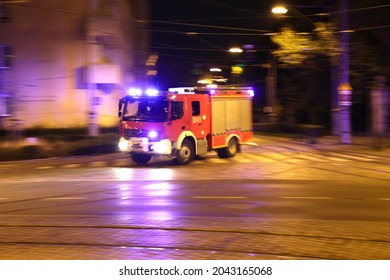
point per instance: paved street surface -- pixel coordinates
(191, 238)
(279, 200)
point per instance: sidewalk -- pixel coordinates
(33, 148)
(367, 144)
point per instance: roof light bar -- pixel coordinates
(140, 92)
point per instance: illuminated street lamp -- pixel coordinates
(279, 10)
(235, 50)
(270, 80)
(205, 81)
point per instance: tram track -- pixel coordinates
(194, 240)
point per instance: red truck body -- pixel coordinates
(183, 125)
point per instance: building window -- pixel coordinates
(6, 57)
(5, 105)
(5, 12)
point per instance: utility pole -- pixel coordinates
(271, 90)
(344, 88)
(379, 110)
(93, 127)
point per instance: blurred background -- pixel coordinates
(64, 65)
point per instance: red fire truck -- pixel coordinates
(185, 122)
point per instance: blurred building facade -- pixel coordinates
(63, 61)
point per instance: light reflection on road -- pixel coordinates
(161, 215)
(156, 193)
(123, 174)
(158, 189)
(126, 174)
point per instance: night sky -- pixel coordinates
(191, 34)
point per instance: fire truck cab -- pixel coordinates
(185, 122)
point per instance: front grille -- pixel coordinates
(134, 132)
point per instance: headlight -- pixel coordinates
(152, 134)
(123, 145)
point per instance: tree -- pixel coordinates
(368, 58)
(307, 59)
(295, 48)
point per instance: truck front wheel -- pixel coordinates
(141, 158)
(186, 154)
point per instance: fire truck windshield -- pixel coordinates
(151, 109)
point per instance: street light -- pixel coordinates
(280, 10)
(270, 80)
(235, 50)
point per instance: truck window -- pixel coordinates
(177, 110)
(145, 109)
(195, 108)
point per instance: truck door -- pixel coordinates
(179, 119)
(199, 117)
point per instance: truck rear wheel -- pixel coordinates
(230, 151)
(186, 154)
(141, 158)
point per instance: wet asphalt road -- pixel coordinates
(264, 203)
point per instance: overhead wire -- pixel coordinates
(185, 23)
(182, 23)
(227, 6)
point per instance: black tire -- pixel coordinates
(141, 158)
(230, 151)
(186, 154)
